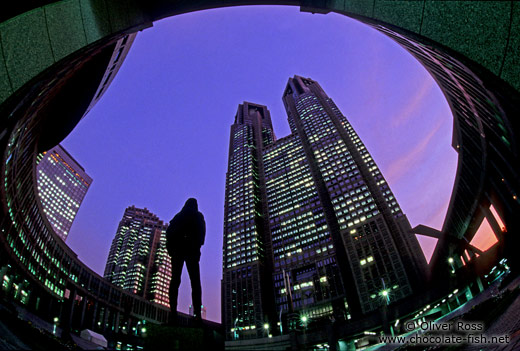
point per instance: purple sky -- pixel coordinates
(160, 134)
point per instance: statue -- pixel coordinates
(184, 237)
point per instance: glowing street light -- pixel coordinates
(450, 261)
(385, 292)
(235, 331)
(280, 321)
(56, 320)
(266, 328)
(386, 295)
(304, 321)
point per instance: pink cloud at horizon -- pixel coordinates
(399, 167)
(415, 103)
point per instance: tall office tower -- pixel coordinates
(247, 264)
(138, 260)
(62, 185)
(336, 241)
(373, 245)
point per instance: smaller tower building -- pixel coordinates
(62, 186)
(138, 260)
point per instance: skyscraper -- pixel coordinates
(62, 185)
(138, 260)
(247, 264)
(311, 215)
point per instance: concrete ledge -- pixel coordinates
(281, 342)
(163, 337)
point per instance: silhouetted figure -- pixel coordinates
(184, 237)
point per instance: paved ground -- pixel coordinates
(8, 341)
(21, 330)
(507, 324)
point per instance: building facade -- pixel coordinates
(311, 216)
(138, 260)
(62, 185)
(247, 265)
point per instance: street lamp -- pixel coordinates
(450, 261)
(56, 320)
(266, 328)
(386, 295)
(304, 320)
(280, 321)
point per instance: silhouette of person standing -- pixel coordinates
(184, 238)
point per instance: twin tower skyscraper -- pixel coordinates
(310, 224)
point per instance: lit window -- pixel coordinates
(484, 238)
(497, 218)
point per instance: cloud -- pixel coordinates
(414, 104)
(436, 220)
(405, 164)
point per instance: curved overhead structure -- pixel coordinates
(57, 57)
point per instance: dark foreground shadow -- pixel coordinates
(202, 337)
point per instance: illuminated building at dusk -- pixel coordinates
(57, 57)
(138, 260)
(62, 185)
(311, 215)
